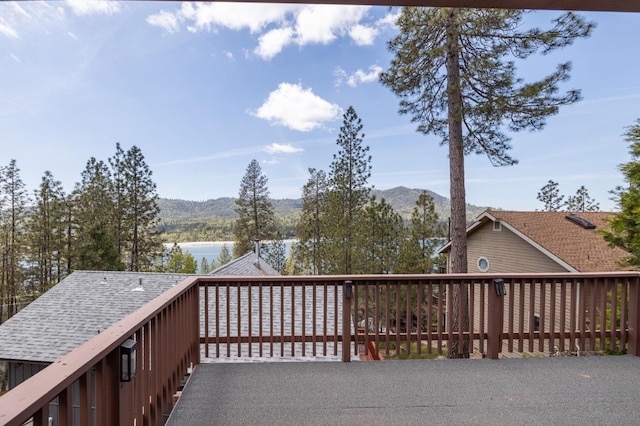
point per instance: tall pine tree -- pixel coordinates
(47, 235)
(550, 196)
(255, 220)
(381, 240)
(348, 194)
(93, 246)
(454, 72)
(417, 251)
(582, 202)
(120, 228)
(310, 252)
(13, 213)
(140, 212)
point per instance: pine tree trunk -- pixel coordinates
(459, 316)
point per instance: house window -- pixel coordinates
(483, 264)
(497, 226)
(536, 322)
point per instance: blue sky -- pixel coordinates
(205, 88)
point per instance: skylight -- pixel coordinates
(580, 221)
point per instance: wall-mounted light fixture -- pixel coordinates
(348, 289)
(128, 360)
(499, 284)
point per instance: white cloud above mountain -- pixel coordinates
(276, 148)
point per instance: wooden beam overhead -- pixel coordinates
(583, 5)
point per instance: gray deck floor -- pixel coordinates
(595, 390)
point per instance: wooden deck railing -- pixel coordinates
(322, 316)
(300, 316)
(166, 331)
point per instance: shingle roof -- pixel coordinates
(583, 249)
(76, 309)
(245, 266)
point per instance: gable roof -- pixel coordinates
(76, 309)
(575, 247)
(248, 265)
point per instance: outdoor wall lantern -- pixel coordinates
(499, 284)
(128, 360)
(348, 289)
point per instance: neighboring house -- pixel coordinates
(510, 241)
(540, 242)
(248, 265)
(84, 304)
(73, 311)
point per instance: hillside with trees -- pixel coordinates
(213, 220)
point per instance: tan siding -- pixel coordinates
(506, 252)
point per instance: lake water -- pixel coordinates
(210, 250)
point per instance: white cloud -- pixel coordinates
(165, 20)
(272, 42)
(357, 77)
(228, 54)
(93, 7)
(272, 162)
(235, 16)
(340, 76)
(276, 148)
(72, 35)
(297, 108)
(363, 35)
(277, 25)
(361, 76)
(8, 31)
(324, 23)
(389, 20)
(18, 19)
(15, 58)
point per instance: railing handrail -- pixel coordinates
(48, 383)
(412, 277)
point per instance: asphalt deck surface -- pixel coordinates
(591, 390)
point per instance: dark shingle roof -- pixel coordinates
(246, 266)
(76, 309)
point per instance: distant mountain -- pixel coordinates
(400, 198)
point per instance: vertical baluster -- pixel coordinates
(206, 320)
(613, 318)
(552, 315)
(512, 304)
(250, 318)
(543, 311)
(282, 319)
(419, 320)
(602, 315)
(532, 308)
(260, 314)
(314, 320)
(482, 287)
(303, 287)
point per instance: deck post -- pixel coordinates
(633, 343)
(347, 294)
(495, 318)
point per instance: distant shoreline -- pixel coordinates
(200, 243)
(211, 243)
